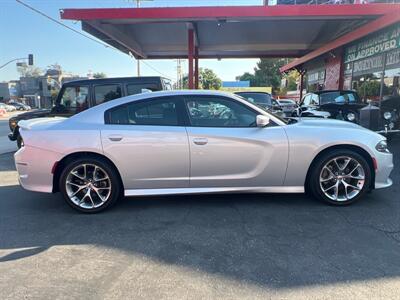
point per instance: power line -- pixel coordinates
(62, 24)
(154, 69)
(82, 34)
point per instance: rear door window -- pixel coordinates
(107, 92)
(161, 112)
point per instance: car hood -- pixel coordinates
(319, 122)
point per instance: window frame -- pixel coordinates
(187, 98)
(94, 102)
(178, 104)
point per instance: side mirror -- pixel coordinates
(262, 121)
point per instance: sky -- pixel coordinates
(23, 31)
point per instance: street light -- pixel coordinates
(29, 58)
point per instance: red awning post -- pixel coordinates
(190, 57)
(196, 68)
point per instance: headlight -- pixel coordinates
(382, 147)
(387, 115)
(351, 117)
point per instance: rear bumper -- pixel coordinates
(34, 168)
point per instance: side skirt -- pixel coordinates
(176, 191)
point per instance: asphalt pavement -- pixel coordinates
(246, 246)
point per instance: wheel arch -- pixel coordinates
(77, 155)
(354, 148)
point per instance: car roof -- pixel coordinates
(115, 79)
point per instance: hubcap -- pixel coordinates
(342, 178)
(88, 186)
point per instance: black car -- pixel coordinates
(347, 105)
(76, 96)
(262, 99)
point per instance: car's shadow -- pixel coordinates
(277, 241)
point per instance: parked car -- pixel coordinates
(288, 106)
(264, 100)
(347, 105)
(7, 108)
(20, 106)
(185, 142)
(79, 95)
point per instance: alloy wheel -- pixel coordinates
(342, 178)
(88, 186)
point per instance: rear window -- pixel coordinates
(107, 92)
(138, 88)
(339, 97)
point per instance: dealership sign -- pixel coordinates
(374, 44)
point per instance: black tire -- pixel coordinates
(315, 186)
(116, 186)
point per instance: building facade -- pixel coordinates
(369, 65)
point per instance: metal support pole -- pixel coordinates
(196, 69)
(301, 84)
(190, 57)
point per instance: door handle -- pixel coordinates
(115, 137)
(200, 141)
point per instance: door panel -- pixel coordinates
(227, 157)
(148, 157)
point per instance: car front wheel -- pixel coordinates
(340, 177)
(90, 185)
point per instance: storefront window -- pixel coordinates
(392, 84)
(368, 86)
(366, 61)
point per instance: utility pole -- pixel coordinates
(179, 83)
(138, 61)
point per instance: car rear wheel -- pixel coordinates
(90, 185)
(340, 177)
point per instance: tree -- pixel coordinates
(29, 71)
(266, 73)
(207, 80)
(248, 77)
(99, 75)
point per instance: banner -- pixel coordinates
(378, 43)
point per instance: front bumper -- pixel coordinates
(384, 168)
(12, 136)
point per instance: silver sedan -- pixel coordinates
(185, 142)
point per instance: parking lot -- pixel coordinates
(200, 247)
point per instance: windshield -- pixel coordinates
(339, 97)
(257, 98)
(286, 121)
